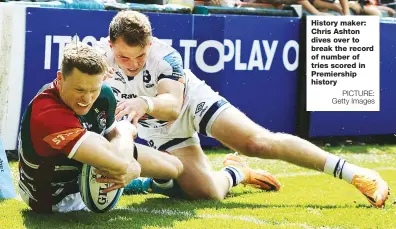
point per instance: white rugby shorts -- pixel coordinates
(201, 107)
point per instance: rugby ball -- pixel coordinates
(92, 191)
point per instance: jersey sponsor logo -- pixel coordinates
(119, 77)
(101, 118)
(147, 79)
(128, 96)
(201, 108)
(115, 91)
(61, 139)
(151, 143)
(146, 76)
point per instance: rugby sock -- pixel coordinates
(148, 185)
(166, 187)
(340, 168)
(235, 175)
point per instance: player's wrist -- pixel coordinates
(149, 102)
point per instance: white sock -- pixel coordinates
(229, 177)
(166, 185)
(235, 175)
(338, 167)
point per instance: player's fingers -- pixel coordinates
(103, 173)
(114, 187)
(122, 113)
(106, 180)
(120, 107)
(131, 116)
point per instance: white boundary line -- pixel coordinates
(172, 212)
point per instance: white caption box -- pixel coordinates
(343, 63)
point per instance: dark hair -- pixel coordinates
(132, 26)
(83, 57)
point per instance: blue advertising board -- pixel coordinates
(366, 123)
(255, 69)
(261, 80)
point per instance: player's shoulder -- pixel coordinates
(166, 58)
(160, 50)
(106, 92)
(48, 105)
(48, 97)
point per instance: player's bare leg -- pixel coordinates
(157, 164)
(198, 180)
(238, 132)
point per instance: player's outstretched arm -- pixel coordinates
(153, 163)
(165, 106)
(121, 139)
(97, 151)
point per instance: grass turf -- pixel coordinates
(307, 199)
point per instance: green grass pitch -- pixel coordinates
(307, 199)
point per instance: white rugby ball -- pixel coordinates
(92, 191)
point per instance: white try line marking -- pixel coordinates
(191, 214)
